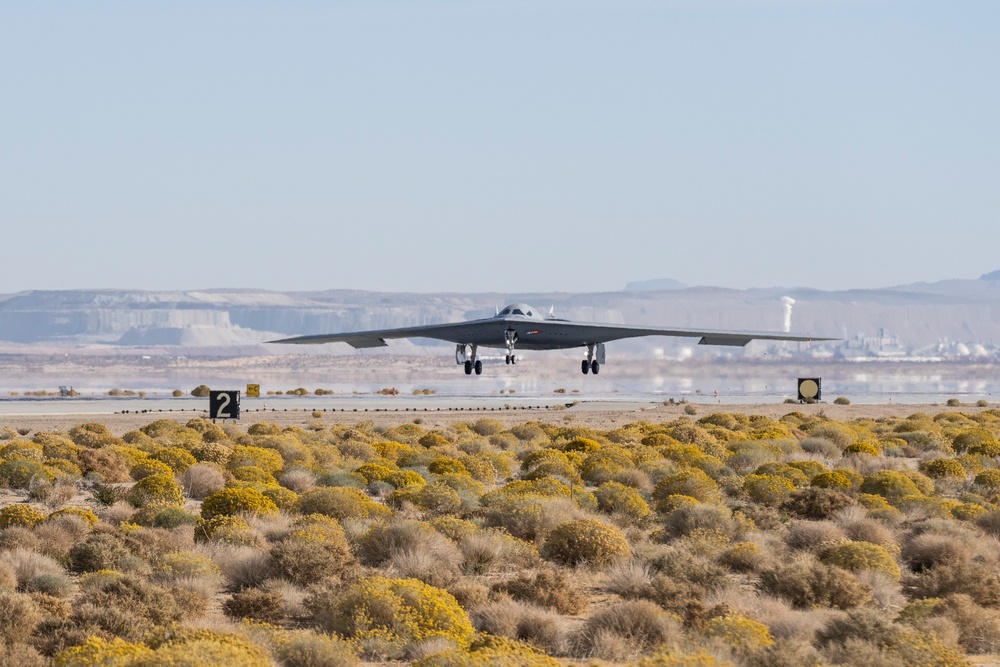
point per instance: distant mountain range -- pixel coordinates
(954, 318)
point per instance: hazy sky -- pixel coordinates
(498, 146)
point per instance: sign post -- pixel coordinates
(224, 404)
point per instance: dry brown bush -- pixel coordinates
(387, 541)
(807, 583)
(869, 530)
(813, 536)
(978, 627)
(977, 580)
(298, 480)
(19, 615)
(241, 566)
(202, 480)
(255, 605)
(628, 578)
(545, 588)
(625, 630)
(816, 503)
(523, 622)
(922, 552)
(20, 655)
(18, 537)
(27, 565)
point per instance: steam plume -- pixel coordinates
(788, 302)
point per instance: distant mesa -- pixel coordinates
(992, 277)
(657, 284)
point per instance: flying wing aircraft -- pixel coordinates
(522, 326)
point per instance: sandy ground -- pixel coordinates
(595, 414)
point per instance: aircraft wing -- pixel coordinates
(459, 332)
(538, 334)
(604, 333)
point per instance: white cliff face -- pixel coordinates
(917, 316)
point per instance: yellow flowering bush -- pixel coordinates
(20, 515)
(341, 502)
(854, 556)
(742, 634)
(237, 501)
(387, 615)
(97, 652)
(615, 498)
(150, 467)
(156, 490)
(585, 541)
(768, 489)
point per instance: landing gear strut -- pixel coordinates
(511, 337)
(470, 362)
(590, 363)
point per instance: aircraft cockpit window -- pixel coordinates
(530, 314)
(517, 311)
(505, 311)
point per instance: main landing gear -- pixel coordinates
(471, 362)
(590, 363)
(510, 337)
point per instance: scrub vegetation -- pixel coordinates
(721, 540)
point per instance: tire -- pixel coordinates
(595, 367)
(479, 367)
(585, 366)
(468, 367)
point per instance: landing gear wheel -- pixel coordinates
(513, 360)
(585, 367)
(595, 367)
(479, 367)
(468, 367)
(507, 359)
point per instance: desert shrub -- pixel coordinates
(436, 497)
(341, 502)
(413, 548)
(807, 584)
(977, 580)
(489, 551)
(943, 468)
(545, 588)
(486, 427)
(202, 480)
(816, 503)
(156, 490)
(615, 498)
(739, 632)
(832, 479)
(637, 625)
(20, 515)
(19, 473)
(100, 551)
(444, 465)
(304, 648)
(388, 616)
(268, 460)
(232, 501)
(742, 557)
(144, 469)
(977, 438)
(97, 652)
(528, 517)
(867, 636)
(768, 489)
(691, 482)
(19, 615)
(92, 434)
(519, 621)
(226, 529)
(487, 651)
(891, 485)
(813, 535)
(585, 540)
(105, 464)
(125, 606)
(213, 649)
(700, 518)
(256, 605)
(862, 447)
(924, 551)
(855, 556)
(316, 549)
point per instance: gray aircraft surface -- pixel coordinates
(522, 326)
